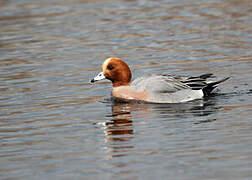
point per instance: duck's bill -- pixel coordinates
(99, 77)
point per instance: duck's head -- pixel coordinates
(115, 70)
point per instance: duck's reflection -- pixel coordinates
(120, 124)
(119, 130)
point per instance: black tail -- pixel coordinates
(210, 86)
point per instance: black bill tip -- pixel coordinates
(92, 81)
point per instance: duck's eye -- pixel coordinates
(110, 67)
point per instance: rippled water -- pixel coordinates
(54, 124)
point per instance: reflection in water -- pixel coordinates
(119, 130)
(196, 108)
(121, 123)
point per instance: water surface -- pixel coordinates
(54, 124)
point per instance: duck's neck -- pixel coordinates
(120, 83)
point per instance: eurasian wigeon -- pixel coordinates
(154, 88)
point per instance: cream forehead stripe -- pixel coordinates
(105, 64)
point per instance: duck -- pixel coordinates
(156, 88)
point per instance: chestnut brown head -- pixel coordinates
(115, 70)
